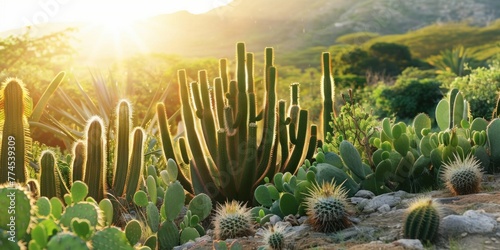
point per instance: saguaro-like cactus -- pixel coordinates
(122, 148)
(95, 158)
(15, 107)
(327, 92)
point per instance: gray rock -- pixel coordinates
(409, 244)
(357, 200)
(184, 246)
(381, 200)
(384, 208)
(472, 221)
(364, 194)
(361, 233)
(274, 219)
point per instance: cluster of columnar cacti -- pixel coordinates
(227, 158)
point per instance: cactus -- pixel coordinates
(327, 94)
(107, 210)
(493, 133)
(18, 203)
(82, 210)
(327, 208)
(110, 238)
(78, 152)
(50, 179)
(232, 220)
(123, 126)
(135, 163)
(43, 206)
(153, 217)
(174, 200)
(66, 241)
(274, 237)
(168, 235)
(15, 140)
(462, 176)
(201, 205)
(133, 232)
(95, 158)
(422, 220)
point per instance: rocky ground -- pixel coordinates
(467, 222)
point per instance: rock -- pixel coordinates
(184, 246)
(384, 208)
(409, 244)
(302, 219)
(471, 221)
(380, 200)
(355, 233)
(274, 219)
(357, 200)
(364, 194)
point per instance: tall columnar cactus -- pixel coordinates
(50, 179)
(135, 163)
(15, 108)
(422, 220)
(123, 125)
(328, 94)
(95, 158)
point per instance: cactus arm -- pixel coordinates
(122, 127)
(200, 167)
(269, 94)
(252, 110)
(453, 94)
(242, 106)
(299, 150)
(328, 93)
(269, 133)
(248, 175)
(223, 74)
(40, 105)
(95, 162)
(224, 164)
(219, 101)
(195, 94)
(207, 120)
(15, 137)
(183, 151)
(313, 142)
(135, 163)
(283, 131)
(293, 111)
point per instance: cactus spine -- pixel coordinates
(15, 107)
(422, 220)
(95, 162)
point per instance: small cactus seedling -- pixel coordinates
(275, 236)
(232, 220)
(422, 220)
(463, 176)
(327, 207)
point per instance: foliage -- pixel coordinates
(481, 89)
(408, 97)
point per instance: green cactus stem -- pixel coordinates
(50, 179)
(122, 127)
(95, 162)
(15, 108)
(78, 160)
(327, 93)
(135, 163)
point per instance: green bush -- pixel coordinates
(407, 98)
(480, 88)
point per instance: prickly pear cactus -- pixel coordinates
(83, 210)
(110, 238)
(66, 241)
(18, 207)
(463, 176)
(422, 220)
(327, 208)
(232, 220)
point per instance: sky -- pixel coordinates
(15, 14)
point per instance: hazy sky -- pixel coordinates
(19, 13)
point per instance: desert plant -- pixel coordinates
(327, 207)
(232, 220)
(274, 237)
(51, 182)
(462, 176)
(15, 108)
(422, 220)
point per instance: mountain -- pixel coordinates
(283, 24)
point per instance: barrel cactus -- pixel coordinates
(327, 207)
(463, 176)
(422, 220)
(232, 220)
